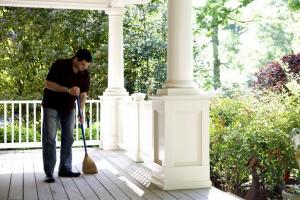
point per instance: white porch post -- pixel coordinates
(180, 50)
(115, 53)
(115, 90)
(181, 112)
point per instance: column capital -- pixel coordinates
(115, 11)
(123, 3)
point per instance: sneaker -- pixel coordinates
(49, 179)
(68, 174)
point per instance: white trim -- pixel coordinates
(39, 144)
(123, 3)
(59, 4)
(71, 4)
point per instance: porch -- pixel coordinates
(21, 177)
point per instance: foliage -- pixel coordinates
(293, 63)
(245, 125)
(38, 133)
(31, 39)
(271, 77)
(275, 33)
(216, 13)
(275, 76)
(145, 28)
(294, 4)
(212, 17)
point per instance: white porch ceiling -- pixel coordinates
(71, 4)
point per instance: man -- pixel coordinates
(66, 79)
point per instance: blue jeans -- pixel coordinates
(50, 125)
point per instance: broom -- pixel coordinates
(88, 166)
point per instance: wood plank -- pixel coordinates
(138, 172)
(111, 187)
(5, 175)
(43, 189)
(85, 189)
(118, 178)
(122, 182)
(214, 193)
(147, 194)
(203, 192)
(98, 188)
(180, 195)
(16, 184)
(130, 168)
(57, 190)
(71, 189)
(194, 195)
(30, 191)
(91, 180)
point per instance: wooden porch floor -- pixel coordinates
(21, 177)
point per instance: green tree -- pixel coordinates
(213, 16)
(31, 39)
(294, 4)
(145, 28)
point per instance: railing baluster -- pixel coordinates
(5, 123)
(76, 121)
(34, 122)
(12, 123)
(42, 121)
(90, 121)
(20, 122)
(27, 122)
(97, 119)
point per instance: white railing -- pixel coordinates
(21, 124)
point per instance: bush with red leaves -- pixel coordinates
(274, 75)
(293, 63)
(271, 77)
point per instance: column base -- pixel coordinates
(110, 121)
(134, 156)
(115, 92)
(109, 143)
(175, 178)
(179, 91)
(179, 84)
(181, 142)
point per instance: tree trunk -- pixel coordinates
(216, 61)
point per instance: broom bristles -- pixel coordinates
(89, 166)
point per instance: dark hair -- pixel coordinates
(84, 54)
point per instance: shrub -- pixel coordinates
(244, 125)
(38, 133)
(271, 77)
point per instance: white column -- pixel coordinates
(110, 117)
(180, 49)
(115, 53)
(180, 112)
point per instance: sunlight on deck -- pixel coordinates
(119, 178)
(132, 186)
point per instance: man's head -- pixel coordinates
(82, 59)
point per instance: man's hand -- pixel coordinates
(74, 91)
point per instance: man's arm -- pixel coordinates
(59, 88)
(83, 97)
(56, 87)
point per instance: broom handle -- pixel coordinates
(81, 125)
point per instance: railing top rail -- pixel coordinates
(21, 101)
(39, 101)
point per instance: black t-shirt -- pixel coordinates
(62, 73)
